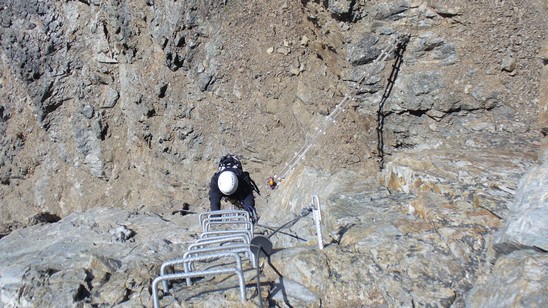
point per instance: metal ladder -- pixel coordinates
(225, 234)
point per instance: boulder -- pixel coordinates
(527, 221)
(339, 8)
(517, 280)
(364, 50)
(392, 10)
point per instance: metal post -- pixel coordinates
(317, 214)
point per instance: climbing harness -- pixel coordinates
(274, 181)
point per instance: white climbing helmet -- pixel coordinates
(227, 182)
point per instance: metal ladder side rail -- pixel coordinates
(188, 275)
(244, 249)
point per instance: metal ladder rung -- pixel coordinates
(223, 213)
(165, 277)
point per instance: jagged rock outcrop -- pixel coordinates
(525, 226)
(518, 275)
(412, 248)
(128, 104)
(83, 259)
(517, 279)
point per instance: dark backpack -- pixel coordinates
(250, 182)
(230, 161)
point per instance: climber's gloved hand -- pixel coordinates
(252, 213)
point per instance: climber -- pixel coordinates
(234, 185)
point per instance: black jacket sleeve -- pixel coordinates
(215, 194)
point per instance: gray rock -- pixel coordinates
(375, 230)
(340, 7)
(484, 98)
(31, 56)
(508, 64)
(370, 85)
(393, 10)
(4, 114)
(527, 221)
(293, 294)
(448, 102)
(376, 256)
(433, 47)
(87, 111)
(364, 50)
(422, 83)
(306, 266)
(517, 280)
(74, 261)
(446, 53)
(183, 129)
(205, 81)
(437, 207)
(446, 9)
(111, 98)
(122, 234)
(422, 91)
(88, 143)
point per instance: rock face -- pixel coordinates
(382, 248)
(82, 258)
(432, 180)
(525, 226)
(518, 279)
(520, 271)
